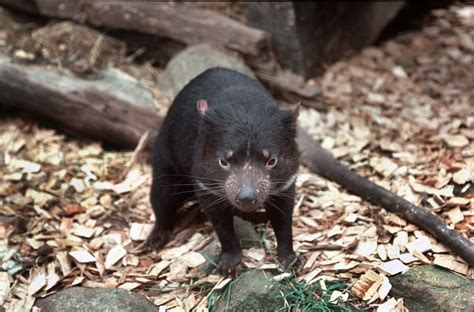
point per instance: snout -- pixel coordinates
(246, 198)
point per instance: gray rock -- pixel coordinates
(191, 62)
(81, 299)
(428, 288)
(254, 290)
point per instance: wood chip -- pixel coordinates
(381, 252)
(458, 201)
(255, 253)
(129, 285)
(366, 249)
(421, 257)
(393, 267)
(38, 282)
(337, 296)
(457, 140)
(140, 231)
(281, 276)
(172, 253)
(82, 256)
(400, 240)
(157, 268)
(25, 165)
(64, 263)
(52, 279)
(384, 288)
(450, 263)
(193, 259)
(463, 176)
(388, 306)
(455, 215)
(367, 285)
(393, 252)
(421, 245)
(4, 287)
(407, 258)
(82, 231)
(114, 255)
(309, 278)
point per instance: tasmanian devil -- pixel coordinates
(225, 141)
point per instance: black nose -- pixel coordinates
(246, 196)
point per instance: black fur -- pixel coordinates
(240, 114)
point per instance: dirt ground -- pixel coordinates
(400, 114)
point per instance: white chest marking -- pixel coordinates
(289, 183)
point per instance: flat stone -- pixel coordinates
(428, 288)
(81, 299)
(254, 290)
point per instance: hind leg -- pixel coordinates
(168, 193)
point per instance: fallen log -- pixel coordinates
(113, 108)
(175, 21)
(185, 25)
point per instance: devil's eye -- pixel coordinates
(224, 163)
(272, 162)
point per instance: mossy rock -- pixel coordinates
(429, 288)
(254, 290)
(82, 299)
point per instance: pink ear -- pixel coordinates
(201, 107)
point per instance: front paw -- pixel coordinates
(229, 265)
(157, 239)
(289, 260)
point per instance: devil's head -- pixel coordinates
(246, 154)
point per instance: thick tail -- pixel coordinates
(323, 163)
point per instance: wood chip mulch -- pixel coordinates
(400, 114)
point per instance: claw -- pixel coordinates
(229, 264)
(157, 239)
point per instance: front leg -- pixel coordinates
(221, 217)
(280, 212)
